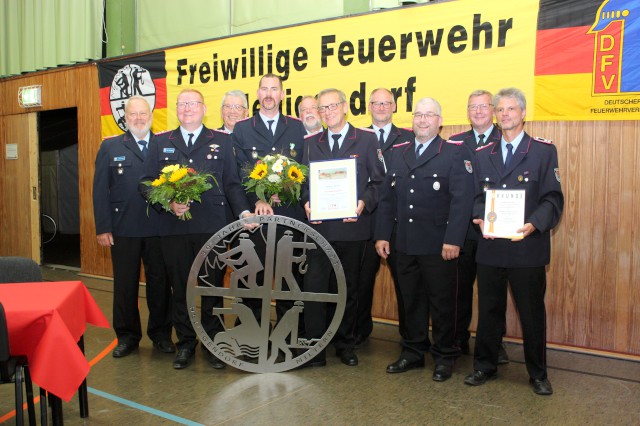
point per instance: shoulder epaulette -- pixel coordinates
(398, 145)
(367, 129)
(454, 142)
(110, 137)
(543, 140)
(161, 133)
(312, 134)
(293, 117)
(457, 134)
(244, 119)
(480, 148)
(224, 132)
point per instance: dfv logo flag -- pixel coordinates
(617, 48)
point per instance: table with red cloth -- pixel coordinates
(45, 322)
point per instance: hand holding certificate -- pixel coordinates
(504, 214)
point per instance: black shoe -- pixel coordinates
(442, 373)
(361, 341)
(478, 378)
(503, 356)
(214, 360)
(183, 358)
(347, 357)
(403, 364)
(124, 349)
(541, 386)
(164, 346)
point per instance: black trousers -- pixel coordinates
(179, 252)
(320, 278)
(428, 285)
(125, 257)
(528, 287)
(467, 269)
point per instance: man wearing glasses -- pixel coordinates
(234, 108)
(347, 236)
(207, 151)
(483, 132)
(429, 191)
(382, 105)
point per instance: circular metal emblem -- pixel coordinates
(264, 265)
(130, 80)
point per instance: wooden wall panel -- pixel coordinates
(593, 299)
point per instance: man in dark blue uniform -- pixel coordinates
(483, 132)
(382, 105)
(428, 189)
(207, 151)
(347, 236)
(120, 214)
(269, 132)
(516, 162)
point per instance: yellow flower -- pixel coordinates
(178, 174)
(171, 168)
(158, 181)
(259, 171)
(295, 174)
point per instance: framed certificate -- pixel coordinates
(504, 213)
(333, 189)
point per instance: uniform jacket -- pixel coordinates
(363, 146)
(212, 153)
(396, 136)
(252, 139)
(534, 168)
(469, 139)
(431, 197)
(118, 207)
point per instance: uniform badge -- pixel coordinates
(468, 166)
(254, 153)
(214, 147)
(209, 157)
(520, 178)
(120, 170)
(292, 149)
(119, 158)
(556, 172)
(436, 185)
(393, 181)
(168, 150)
(380, 156)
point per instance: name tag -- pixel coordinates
(168, 150)
(119, 158)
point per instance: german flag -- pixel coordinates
(143, 75)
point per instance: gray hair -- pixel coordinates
(514, 93)
(238, 94)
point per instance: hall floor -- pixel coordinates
(144, 389)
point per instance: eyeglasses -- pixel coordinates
(191, 104)
(482, 107)
(419, 116)
(383, 105)
(234, 107)
(330, 107)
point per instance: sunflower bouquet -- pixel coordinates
(276, 175)
(180, 184)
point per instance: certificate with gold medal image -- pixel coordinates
(333, 191)
(504, 213)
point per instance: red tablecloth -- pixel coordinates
(45, 322)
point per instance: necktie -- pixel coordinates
(335, 147)
(481, 139)
(381, 138)
(419, 150)
(143, 144)
(270, 124)
(507, 160)
(190, 141)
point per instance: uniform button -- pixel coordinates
(190, 160)
(410, 220)
(504, 185)
(413, 176)
(486, 179)
(526, 179)
(273, 149)
(435, 175)
(411, 191)
(166, 158)
(117, 209)
(410, 206)
(119, 164)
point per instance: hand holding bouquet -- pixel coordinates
(178, 184)
(279, 176)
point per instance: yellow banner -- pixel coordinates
(444, 51)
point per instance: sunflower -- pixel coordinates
(159, 181)
(295, 174)
(171, 168)
(259, 171)
(178, 174)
